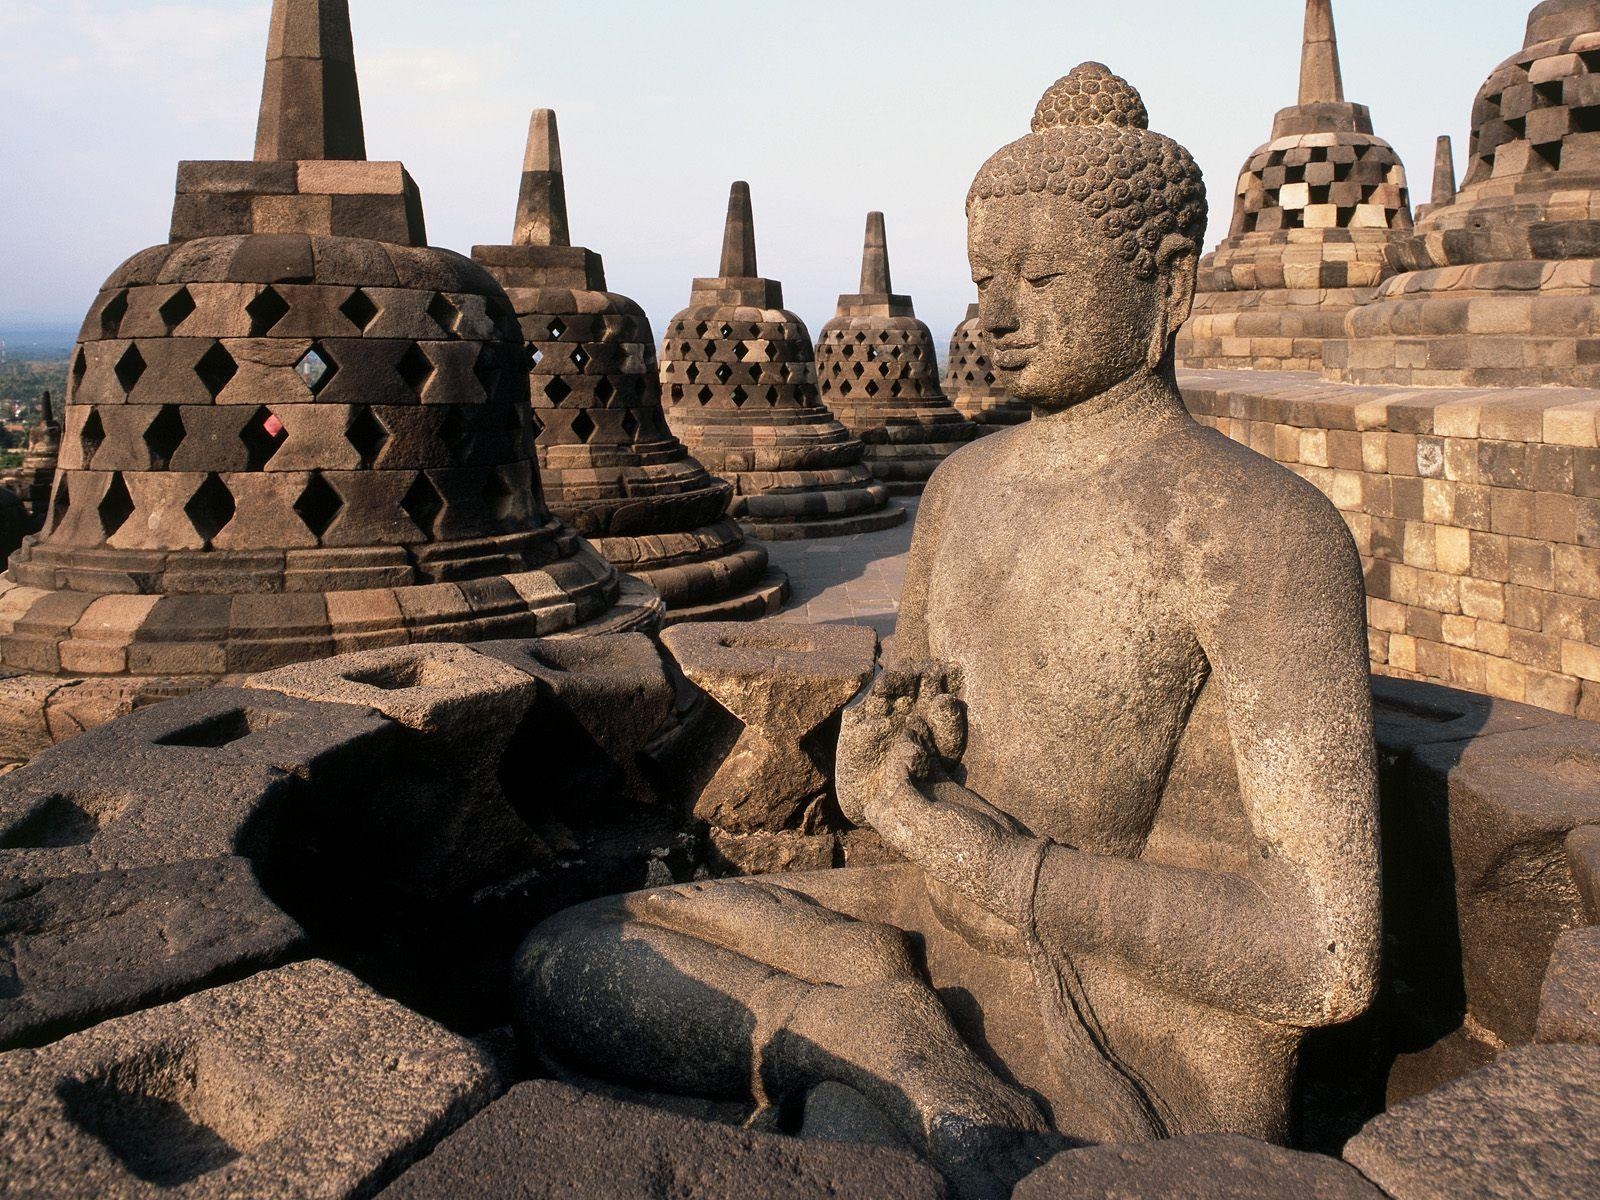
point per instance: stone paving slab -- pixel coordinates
(848, 580)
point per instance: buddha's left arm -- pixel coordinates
(1295, 937)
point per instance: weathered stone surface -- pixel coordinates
(1569, 1001)
(1583, 856)
(1524, 1127)
(548, 1140)
(87, 947)
(293, 1083)
(1215, 1167)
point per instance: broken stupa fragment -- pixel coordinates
(1316, 211)
(610, 466)
(878, 373)
(739, 378)
(296, 429)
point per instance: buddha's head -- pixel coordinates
(1084, 238)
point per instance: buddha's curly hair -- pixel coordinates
(1091, 142)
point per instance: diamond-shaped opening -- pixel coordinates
(266, 310)
(844, 388)
(704, 395)
(163, 436)
(727, 331)
(580, 358)
(739, 396)
(693, 373)
(116, 506)
(884, 336)
(538, 356)
(93, 434)
(630, 425)
(894, 388)
(872, 353)
(556, 329)
(262, 436)
(700, 329)
(498, 497)
(210, 509)
(111, 315)
(538, 425)
(456, 432)
(557, 390)
(318, 504)
(583, 426)
(741, 350)
(316, 370)
(60, 503)
(80, 367)
(445, 314)
(603, 391)
(487, 370)
(360, 310)
(858, 370)
(178, 308)
(772, 395)
(367, 434)
(216, 369)
(423, 504)
(872, 387)
(861, 337)
(415, 367)
(130, 367)
(724, 372)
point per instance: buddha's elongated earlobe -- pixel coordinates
(1177, 266)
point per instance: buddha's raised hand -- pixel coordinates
(920, 700)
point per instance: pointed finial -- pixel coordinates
(739, 238)
(1320, 79)
(542, 205)
(47, 409)
(875, 259)
(310, 102)
(1444, 173)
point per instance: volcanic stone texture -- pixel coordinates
(545, 1140)
(878, 373)
(294, 1083)
(1315, 212)
(1523, 1126)
(1569, 1002)
(1500, 288)
(971, 383)
(1476, 511)
(739, 380)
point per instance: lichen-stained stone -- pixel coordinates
(878, 373)
(739, 382)
(1206, 1167)
(609, 464)
(1316, 211)
(1569, 1002)
(782, 683)
(971, 382)
(87, 947)
(1525, 1126)
(300, 1082)
(1510, 801)
(544, 1140)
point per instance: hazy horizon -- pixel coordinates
(827, 109)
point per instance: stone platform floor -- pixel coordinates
(848, 580)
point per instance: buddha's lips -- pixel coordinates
(1014, 358)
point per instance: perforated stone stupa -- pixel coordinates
(739, 379)
(1316, 210)
(971, 383)
(296, 429)
(878, 372)
(609, 464)
(1503, 283)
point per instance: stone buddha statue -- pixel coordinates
(1125, 748)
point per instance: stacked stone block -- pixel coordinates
(878, 372)
(283, 444)
(609, 465)
(739, 380)
(1477, 514)
(971, 383)
(1499, 288)
(1315, 212)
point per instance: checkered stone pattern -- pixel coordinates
(277, 447)
(879, 375)
(1499, 285)
(613, 469)
(971, 383)
(739, 383)
(1322, 181)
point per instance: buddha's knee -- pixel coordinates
(545, 973)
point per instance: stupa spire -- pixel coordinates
(310, 101)
(1320, 78)
(875, 258)
(1444, 173)
(542, 206)
(739, 238)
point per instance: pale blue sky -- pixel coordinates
(828, 108)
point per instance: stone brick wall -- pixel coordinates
(1477, 514)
